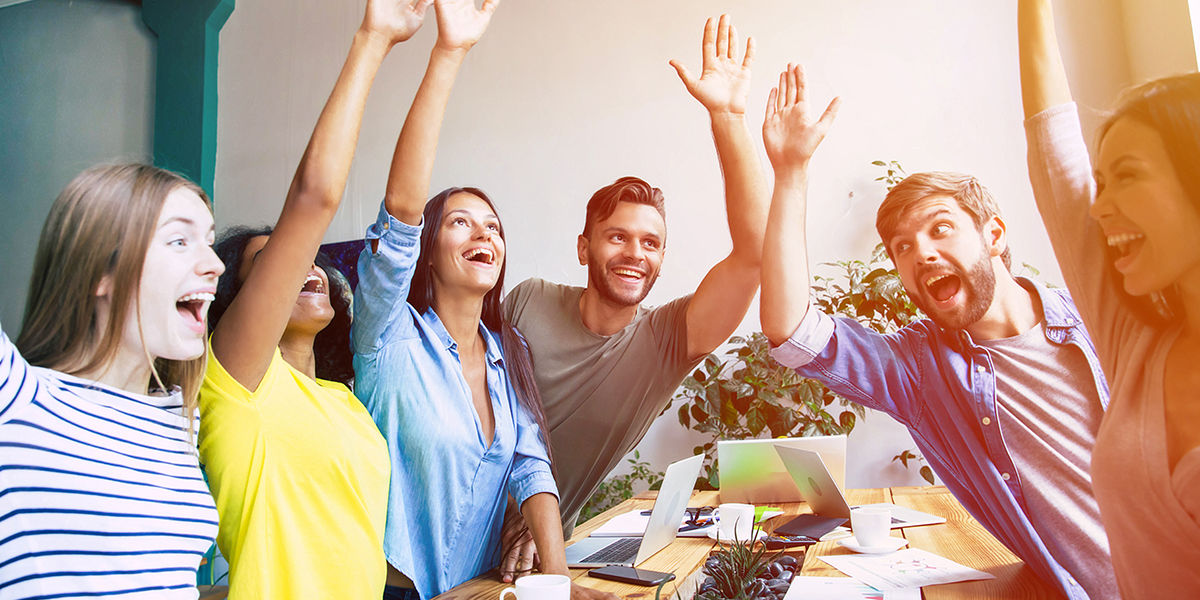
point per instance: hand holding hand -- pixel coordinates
(579, 592)
(790, 134)
(394, 20)
(516, 543)
(460, 24)
(724, 81)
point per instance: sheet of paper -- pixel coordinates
(633, 524)
(843, 588)
(908, 568)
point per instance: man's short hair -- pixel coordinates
(971, 196)
(626, 189)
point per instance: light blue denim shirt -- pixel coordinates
(448, 489)
(942, 387)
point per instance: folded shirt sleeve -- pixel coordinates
(384, 277)
(531, 472)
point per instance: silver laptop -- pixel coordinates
(824, 496)
(661, 530)
(751, 471)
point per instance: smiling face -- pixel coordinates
(469, 252)
(179, 278)
(946, 264)
(1152, 227)
(624, 253)
(313, 310)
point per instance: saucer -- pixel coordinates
(759, 536)
(892, 544)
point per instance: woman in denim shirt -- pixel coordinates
(446, 379)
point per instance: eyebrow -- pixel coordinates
(486, 215)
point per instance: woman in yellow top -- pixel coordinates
(297, 467)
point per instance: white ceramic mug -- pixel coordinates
(735, 521)
(871, 525)
(540, 587)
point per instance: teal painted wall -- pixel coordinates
(76, 88)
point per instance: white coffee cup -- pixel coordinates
(735, 521)
(871, 525)
(540, 587)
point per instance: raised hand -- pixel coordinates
(394, 20)
(790, 133)
(460, 24)
(724, 81)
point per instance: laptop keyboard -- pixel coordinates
(622, 551)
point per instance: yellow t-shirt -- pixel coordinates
(299, 473)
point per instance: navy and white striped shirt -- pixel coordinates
(100, 490)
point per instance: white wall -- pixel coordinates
(1160, 38)
(562, 97)
(76, 89)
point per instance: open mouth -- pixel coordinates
(480, 255)
(1125, 246)
(943, 287)
(194, 306)
(313, 285)
(628, 274)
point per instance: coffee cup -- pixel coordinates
(540, 587)
(735, 521)
(871, 525)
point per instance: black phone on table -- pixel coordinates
(632, 575)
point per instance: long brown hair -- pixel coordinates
(100, 225)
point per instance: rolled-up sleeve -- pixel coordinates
(809, 339)
(531, 467)
(384, 277)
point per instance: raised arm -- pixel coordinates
(1043, 78)
(721, 300)
(791, 136)
(245, 339)
(460, 25)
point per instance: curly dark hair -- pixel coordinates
(332, 345)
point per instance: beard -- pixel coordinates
(598, 278)
(978, 286)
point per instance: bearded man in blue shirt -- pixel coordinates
(1000, 386)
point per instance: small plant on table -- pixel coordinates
(742, 572)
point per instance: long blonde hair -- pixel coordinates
(100, 225)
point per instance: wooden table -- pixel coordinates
(961, 539)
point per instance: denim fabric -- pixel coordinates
(448, 487)
(942, 386)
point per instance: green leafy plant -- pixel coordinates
(925, 471)
(735, 571)
(614, 490)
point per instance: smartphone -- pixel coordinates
(632, 575)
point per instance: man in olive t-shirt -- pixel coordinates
(606, 366)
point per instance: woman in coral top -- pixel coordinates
(298, 470)
(1126, 231)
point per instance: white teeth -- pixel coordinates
(472, 253)
(1123, 238)
(936, 278)
(626, 272)
(312, 278)
(201, 296)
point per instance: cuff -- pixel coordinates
(535, 483)
(809, 339)
(402, 234)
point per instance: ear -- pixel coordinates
(104, 288)
(995, 234)
(581, 248)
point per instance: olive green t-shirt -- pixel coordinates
(599, 393)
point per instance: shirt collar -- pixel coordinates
(494, 355)
(1055, 312)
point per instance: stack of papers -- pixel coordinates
(634, 522)
(843, 588)
(911, 568)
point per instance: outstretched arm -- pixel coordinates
(723, 296)
(460, 25)
(791, 136)
(246, 338)
(541, 512)
(1043, 78)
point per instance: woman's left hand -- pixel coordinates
(460, 24)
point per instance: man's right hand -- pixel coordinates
(790, 134)
(394, 20)
(516, 544)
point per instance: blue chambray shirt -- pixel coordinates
(942, 387)
(448, 488)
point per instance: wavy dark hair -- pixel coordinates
(1171, 107)
(518, 362)
(332, 345)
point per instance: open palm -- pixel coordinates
(790, 134)
(724, 81)
(396, 20)
(460, 24)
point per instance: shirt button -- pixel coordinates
(981, 369)
(1005, 476)
(988, 421)
(386, 224)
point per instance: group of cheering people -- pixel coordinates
(1065, 421)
